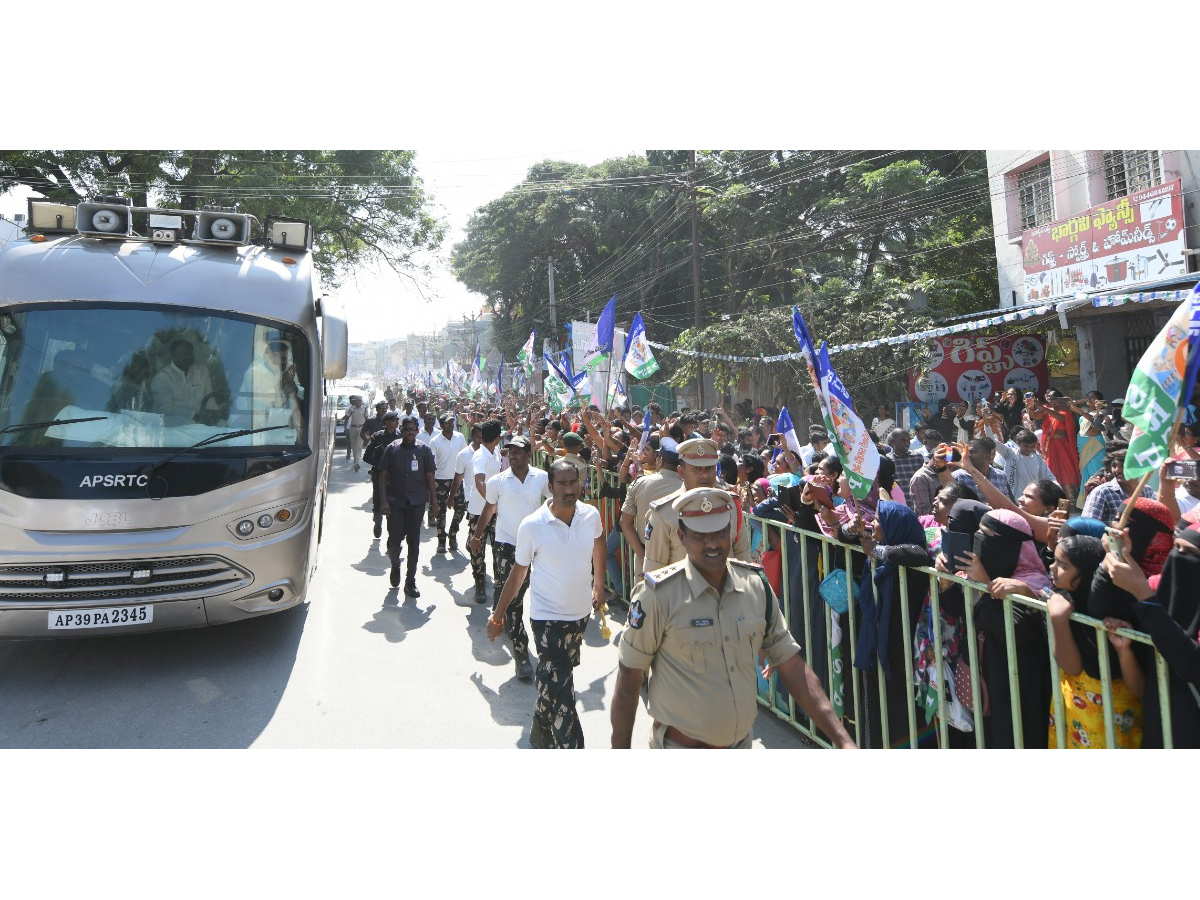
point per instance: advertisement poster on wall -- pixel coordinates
(965, 369)
(1121, 243)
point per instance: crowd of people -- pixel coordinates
(1016, 494)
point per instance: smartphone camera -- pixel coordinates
(1182, 470)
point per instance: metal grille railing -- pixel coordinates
(1128, 171)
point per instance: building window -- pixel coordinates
(1128, 171)
(1036, 196)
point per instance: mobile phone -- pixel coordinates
(1182, 469)
(774, 439)
(956, 544)
(1065, 504)
(1115, 547)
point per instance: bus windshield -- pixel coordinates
(146, 377)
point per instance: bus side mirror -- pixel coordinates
(334, 340)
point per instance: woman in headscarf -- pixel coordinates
(896, 539)
(1169, 613)
(1076, 556)
(1150, 531)
(1005, 560)
(963, 517)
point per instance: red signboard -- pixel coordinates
(966, 369)
(1126, 241)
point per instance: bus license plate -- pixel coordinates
(104, 617)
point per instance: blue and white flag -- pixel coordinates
(601, 345)
(785, 427)
(498, 386)
(639, 360)
(558, 386)
(855, 448)
(1193, 363)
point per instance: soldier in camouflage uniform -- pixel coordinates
(511, 496)
(565, 587)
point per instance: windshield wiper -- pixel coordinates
(211, 439)
(30, 425)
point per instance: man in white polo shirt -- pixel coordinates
(563, 541)
(446, 445)
(511, 496)
(464, 480)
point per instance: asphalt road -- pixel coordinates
(358, 666)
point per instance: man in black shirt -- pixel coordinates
(406, 486)
(387, 431)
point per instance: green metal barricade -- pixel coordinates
(1032, 734)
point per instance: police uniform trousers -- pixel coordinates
(504, 557)
(404, 525)
(376, 515)
(443, 499)
(354, 444)
(478, 565)
(555, 719)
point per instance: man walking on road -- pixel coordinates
(446, 445)
(354, 420)
(388, 431)
(512, 495)
(563, 542)
(485, 462)
(406, 484)
(698, 627)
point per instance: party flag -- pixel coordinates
(785, 427)
(639, 360)
(525, 355)
(601, 346)
(1153, 398)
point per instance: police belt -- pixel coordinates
(675, 735)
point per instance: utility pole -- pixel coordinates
(696, 272)
(553, 315)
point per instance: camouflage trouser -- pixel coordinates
(555, 718)
(478, 565)
(460, 508)
(504, 557)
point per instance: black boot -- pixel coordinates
(410, 587)
(378, 527)
(480, 592)
(524, 669)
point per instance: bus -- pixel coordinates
(165, 437)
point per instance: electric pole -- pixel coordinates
(695, 273)
(553, 316)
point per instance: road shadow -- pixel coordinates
(397, 618)
(507, 709)
(204, 688)
(592, 697)
(497, 653)
(376, 561)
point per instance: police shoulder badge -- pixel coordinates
(636, 616)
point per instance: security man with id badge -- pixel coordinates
(406, 484)
(698, 626)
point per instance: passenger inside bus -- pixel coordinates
(270, 389)
(133, 390)
(181, 387)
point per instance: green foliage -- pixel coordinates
(870, 243)
(365, 205)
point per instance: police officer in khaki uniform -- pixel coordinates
(698, 626)
(697, 468)
(643, 492)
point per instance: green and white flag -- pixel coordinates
(639, 360)
(1152, 401)
(558, 392)
(525, 355)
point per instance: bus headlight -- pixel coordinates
(261, 523)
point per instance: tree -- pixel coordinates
(365, 205)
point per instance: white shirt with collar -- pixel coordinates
(515, 499)
(445, 453)
(484, 462)
(560, 582)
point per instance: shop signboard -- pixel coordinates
(1121, 243)
(970, 368)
